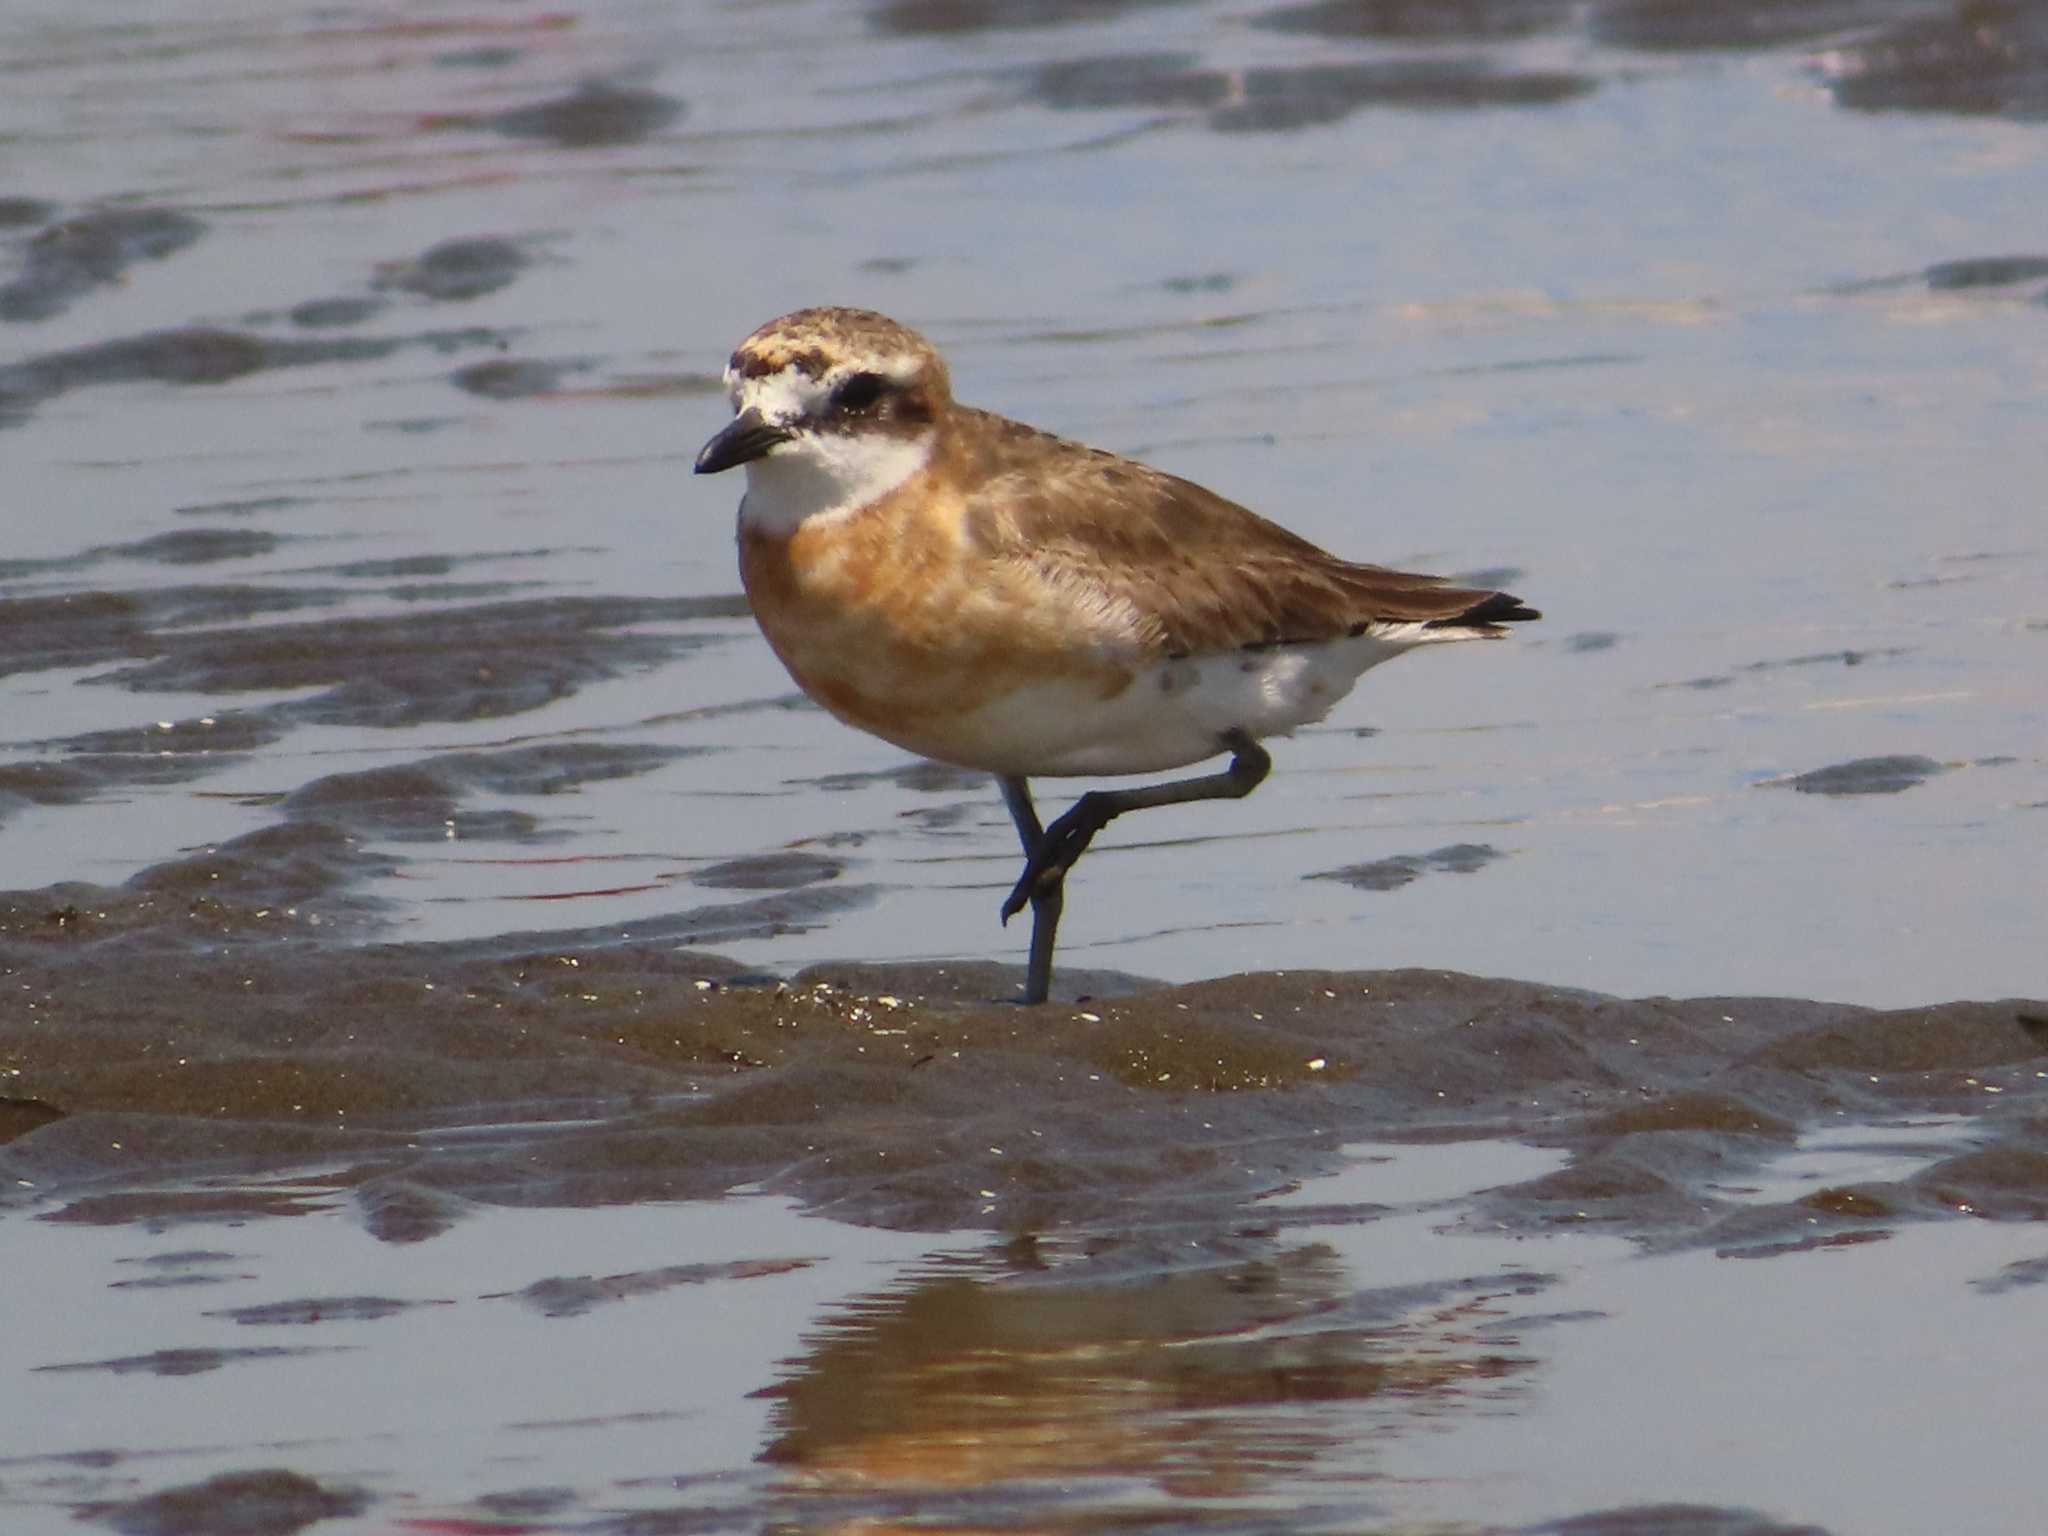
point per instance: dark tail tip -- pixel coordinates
(1494, 608)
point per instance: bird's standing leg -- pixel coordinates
(1051, 852)
(1047, 896)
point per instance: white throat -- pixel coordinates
(826, 475)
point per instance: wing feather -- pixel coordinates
(1190, 572)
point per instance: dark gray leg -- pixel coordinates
(1047, 898)
(1051, 852)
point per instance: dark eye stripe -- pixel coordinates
(859, 392)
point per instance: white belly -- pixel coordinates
(1174, 714)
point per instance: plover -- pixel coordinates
(991, 596)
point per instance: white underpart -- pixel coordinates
(817, 474)
(1176, 713)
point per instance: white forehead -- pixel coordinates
(791, 394)
(785, 396)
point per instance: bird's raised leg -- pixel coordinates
(1047, 897)
(1051, 852)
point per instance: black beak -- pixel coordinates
(747, 436)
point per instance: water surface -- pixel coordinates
(404, 830)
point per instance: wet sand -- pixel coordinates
(478, 1054)
(642, 1069)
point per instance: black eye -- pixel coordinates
(859, 392)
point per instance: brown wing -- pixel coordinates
(1205, 574)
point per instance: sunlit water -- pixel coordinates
(1661, 337)
(1389, 1359)
(1714, 332)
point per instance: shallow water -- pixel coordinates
(387, 757)
(353, 432)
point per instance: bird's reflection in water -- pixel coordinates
(1203, 1384)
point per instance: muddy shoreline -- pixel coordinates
(157, 1037)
